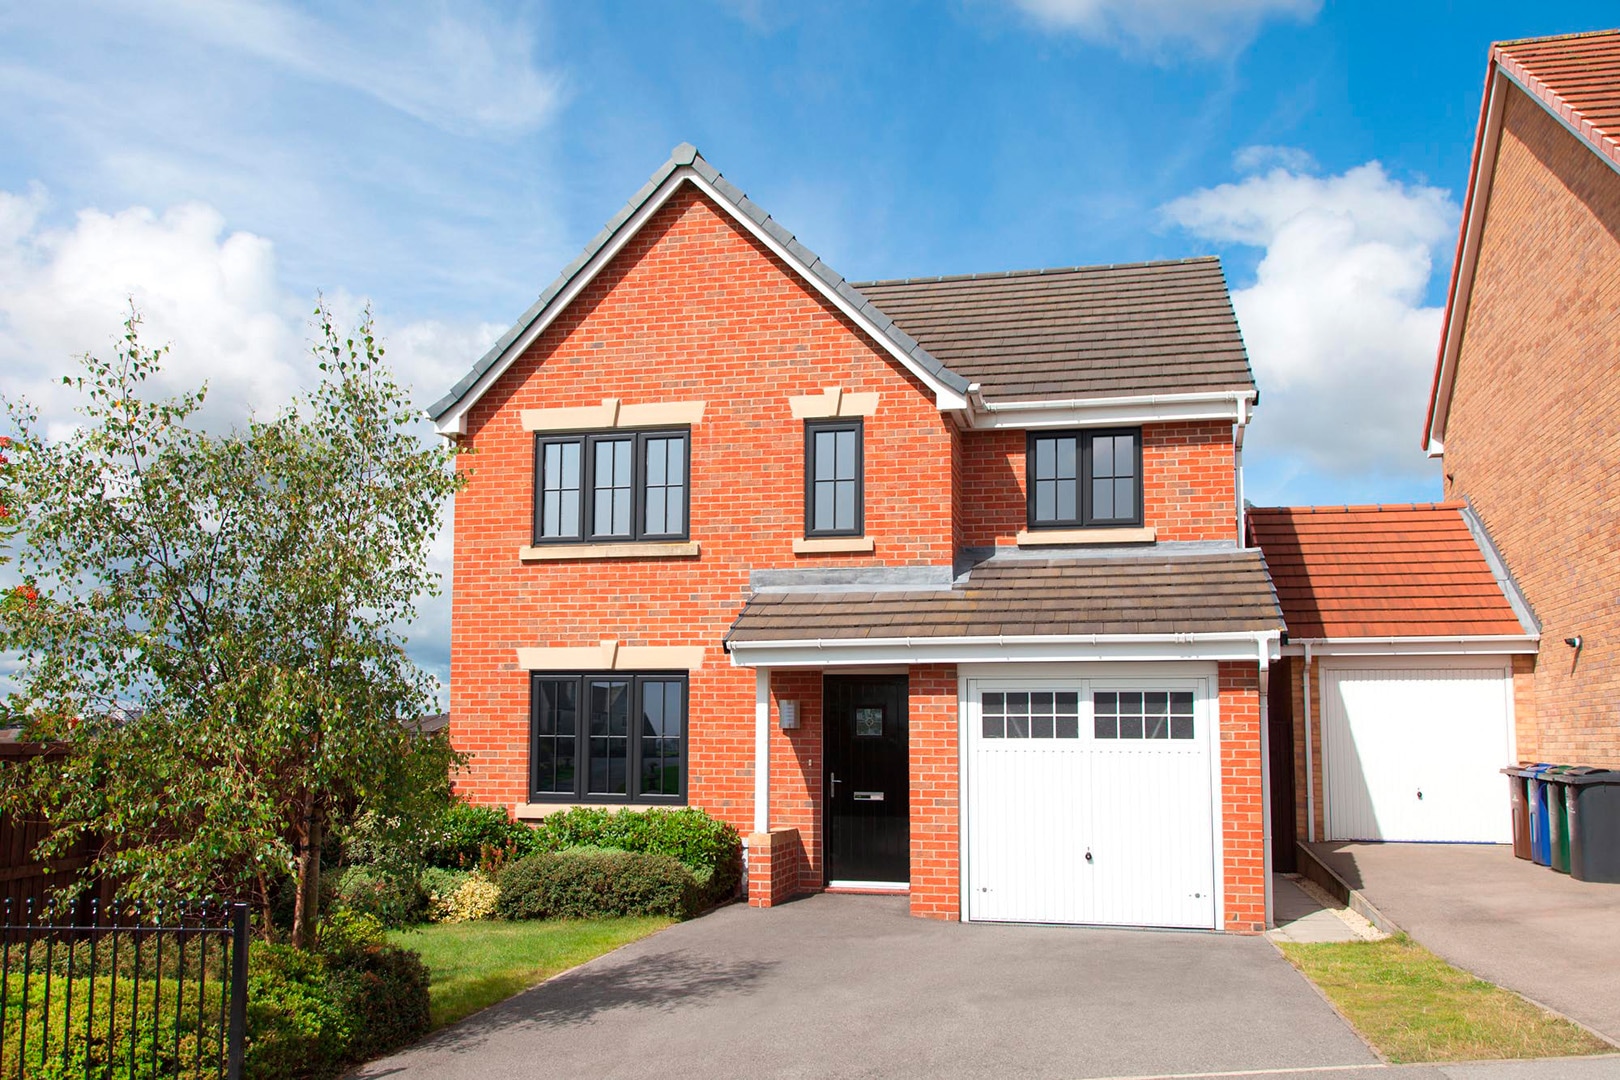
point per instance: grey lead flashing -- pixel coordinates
(686, 155)
(1499, 569)
(857, 579)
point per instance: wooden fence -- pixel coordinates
(23, 877)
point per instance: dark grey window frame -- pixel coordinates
(811, 428)
(582, 737)
(1084, 518)
(587, 442)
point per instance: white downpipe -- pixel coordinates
(1265, 772)
(1310, 757)
(762, 750)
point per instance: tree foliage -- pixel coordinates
(212, 621)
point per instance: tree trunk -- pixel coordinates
(307, 903)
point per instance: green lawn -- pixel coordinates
(479, 963)
(1413, 1006)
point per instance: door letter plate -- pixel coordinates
(868, 796)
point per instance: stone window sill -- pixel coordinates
(1067, 537)
(658, 549)
(832, 545)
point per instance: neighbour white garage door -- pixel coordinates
(1090, 803)
(1413, 753)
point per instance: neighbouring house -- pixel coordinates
(1405, 684)
(1525, 411)
(936, 586)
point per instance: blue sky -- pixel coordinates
(222, 161)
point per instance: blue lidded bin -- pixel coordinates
(1540, 825)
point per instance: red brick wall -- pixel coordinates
(1187, 483)
(1242, 820)
(936, 864)
(1533, 436)
(796, 768)
(691, 309)
(774, 860)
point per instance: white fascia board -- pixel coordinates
(454, 422)
(1468, 261)
(839, 652)
(1480, 645)
(1232, 406)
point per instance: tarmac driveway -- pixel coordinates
(850, 986)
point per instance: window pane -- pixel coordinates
(1125, 455)
(1102, 499)
(825, 455)
(677, 461)
(1045, 500)
(844, 518)
(1124, 498)
(1102, 456)
(1065, 458)
(604, 512)
(1068, 702)
(657, 511)
(1068, 726)
(846, 455)
(1106, 726)
(676, 508)
(1130, 727)
(553, 465)
(1156, 702)
(1045, 459)
(621, 464)
(994, 703)
(551, 514)
(1181, 727)
(657, 461)
(994, 726)
(621, 513)
(1158, 726)
(1066, 492)
(824, 506)
(1105, 702)
(570, 515)
(1040, 725)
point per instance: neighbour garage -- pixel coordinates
(1412, 752)
(1091, 800)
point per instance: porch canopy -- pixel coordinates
(1208, 602)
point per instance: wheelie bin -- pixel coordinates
(1557, 817)
(1540, 832)
(1594, 824)
(1518, 778)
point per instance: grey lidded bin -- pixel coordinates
(1594, 824)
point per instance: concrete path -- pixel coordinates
(1301, 919)
(851, 986)
(1543, 934)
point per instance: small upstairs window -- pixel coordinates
(606, 487)
(834, 484)
(1078, 479)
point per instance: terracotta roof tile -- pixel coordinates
(1577, 76)
(1390, 571)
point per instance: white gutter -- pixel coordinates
(1310, 760)
(1479, 644)
(822, 652)
(1131, 409)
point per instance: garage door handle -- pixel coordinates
(1088, 856)
(1420, 796)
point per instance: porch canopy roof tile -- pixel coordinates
(1034, 598)
(1385, 571)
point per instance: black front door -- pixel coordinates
(868, 781)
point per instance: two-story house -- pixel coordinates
(934, 586)
(1525, 411)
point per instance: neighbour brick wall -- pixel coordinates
(1242, 815)
(1187, 483)
(774, 860)
(936, 864)
(1526, 732)
(691, 309)
(1533, 436)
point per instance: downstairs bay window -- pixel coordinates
(610, 737)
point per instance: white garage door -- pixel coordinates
(1413, 753)
(1090, 803)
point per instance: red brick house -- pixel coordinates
(1525, 411)
(936, 586)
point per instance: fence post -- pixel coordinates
(239, 982)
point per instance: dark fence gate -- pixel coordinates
(133, 992)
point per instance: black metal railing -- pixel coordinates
(123, 992)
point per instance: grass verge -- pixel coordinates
(475, 964)
(1413, 1006)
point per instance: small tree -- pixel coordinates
(212, 622)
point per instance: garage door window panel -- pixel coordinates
(1142, 714)
(1032, 714)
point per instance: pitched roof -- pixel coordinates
(1024, 597)
(1085, 331)
(1382, 571)
(1576, 78)
(732, 199)
(1145, 328)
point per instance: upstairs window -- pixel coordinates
(834, 485)
(1084, 478)
(620, 486)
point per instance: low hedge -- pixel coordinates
(394, 899)
(588, 884)
(468, 836)
(708, 847)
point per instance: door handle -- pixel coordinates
(832, 785)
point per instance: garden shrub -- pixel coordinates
(437, 883)
(708, 847)
(475, 897)
(394, 898)
(469, 836)
(575, 884)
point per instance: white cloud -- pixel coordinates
(1251, 159)
(214, 296)
(457, 67)
(1341, 341)
(1204, 27)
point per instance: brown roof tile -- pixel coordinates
(1032, 597)
(1089, 331)
(1392, 571)
(1575, 75)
